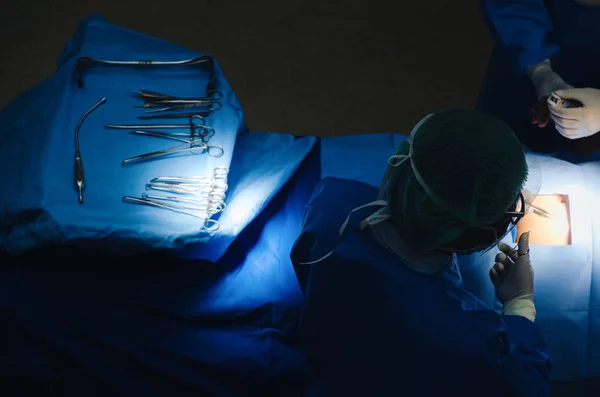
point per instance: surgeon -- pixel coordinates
(540, 46)
(386, 313)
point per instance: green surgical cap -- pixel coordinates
(473, 167)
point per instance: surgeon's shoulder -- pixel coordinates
(338, 192)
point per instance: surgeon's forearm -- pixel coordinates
(520, 307)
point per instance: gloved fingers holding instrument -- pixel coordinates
(512, 276)
(580, 118)
(545, 81)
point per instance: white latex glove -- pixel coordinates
(512, 276)
(545, 80)
(577, 122)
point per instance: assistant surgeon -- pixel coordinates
(540, 47)
(386, 311)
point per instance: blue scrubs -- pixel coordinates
(372, 326)
(527, 32)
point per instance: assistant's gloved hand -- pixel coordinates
(545, 81)
(578, 122)
(512, 276)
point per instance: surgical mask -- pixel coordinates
(384, 213)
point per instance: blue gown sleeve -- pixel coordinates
(526, 345)
(522, 28)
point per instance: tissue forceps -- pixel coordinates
(539, 211)
(193, 147)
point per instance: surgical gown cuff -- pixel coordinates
(520, 307)
(544, 66)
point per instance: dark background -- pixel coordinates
(301, 67)
(310, 67)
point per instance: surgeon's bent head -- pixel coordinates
(460, 189)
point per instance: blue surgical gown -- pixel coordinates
(373, 327)
(526, 32)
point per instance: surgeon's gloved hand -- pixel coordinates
(545, 81)
(512, 276)
(577, 122)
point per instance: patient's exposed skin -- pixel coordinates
(554, 231)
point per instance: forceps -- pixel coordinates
(212, 190)
(169, 102)
(174, 116)
(194, 147)
(151, 96)
(210, 106)
(196, 123)
(539, 211)
(177, 136)
(209, 224)
(212, 206)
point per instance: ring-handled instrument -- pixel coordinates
(196, 126)
(174, 115)
(210, 106)
(194, 147)
(161, 102)
(151, 96)
(209, 225)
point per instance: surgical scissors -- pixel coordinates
(192, 147)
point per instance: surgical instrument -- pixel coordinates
(515, 250)
(196, 121)
(209, 225)
(79, 182)
(150, 96)
(169, 102)
(85, 62)
(209, 200)
(174, 116)
(213, 151)
(540, 212)
(189, 188)
(211, 206)
(177, 136)
(180, 106)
